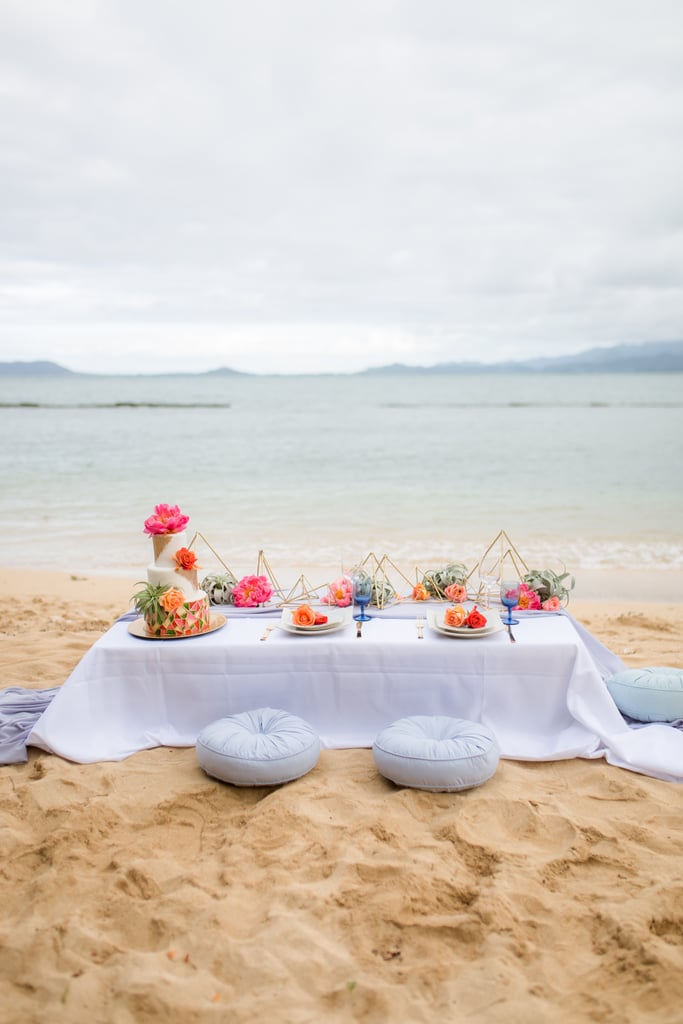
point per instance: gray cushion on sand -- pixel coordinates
(265, 747)
(649, 694)
(437, 753)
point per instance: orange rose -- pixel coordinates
(455, 616)
(186, 559)
(172, 599)
(420, 592)
(475, 620)
(303, 616)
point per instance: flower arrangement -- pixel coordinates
(165, 519)
(544, 589)
(420, 592)
(437, 580)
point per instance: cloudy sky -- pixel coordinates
(321, 185)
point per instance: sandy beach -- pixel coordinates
(145, 891)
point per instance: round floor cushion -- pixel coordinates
(437, 753)
(649, 694)
(265, 747)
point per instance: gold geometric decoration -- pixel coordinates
(492, 563)
(384, 589)
(213, 551)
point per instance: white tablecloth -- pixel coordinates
(544, 697)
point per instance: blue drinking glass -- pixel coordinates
(509, 596)
(362, 594)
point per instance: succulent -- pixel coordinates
(382, 593)
(436, 580)
(547, 583)
(147, 600)
(219, 587)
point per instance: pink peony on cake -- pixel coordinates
(172, 603)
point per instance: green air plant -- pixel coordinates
(382, 593)
(547, 584)
(436, 580)
(219, 587)
(147, 601)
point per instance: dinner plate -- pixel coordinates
(336, 619)
(436, 621)
(139, 629)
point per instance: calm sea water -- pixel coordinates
(318, 471)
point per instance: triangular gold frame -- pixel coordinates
(213, 552)
(506, 552)
(381, 579)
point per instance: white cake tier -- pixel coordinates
(165, 547)
(181, 579)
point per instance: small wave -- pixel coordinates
(115, 405)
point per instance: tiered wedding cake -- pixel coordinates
(172, 603)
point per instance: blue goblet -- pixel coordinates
(362, 594)
(509, 596)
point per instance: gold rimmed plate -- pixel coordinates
(139, 629)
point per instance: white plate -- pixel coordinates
(336, 619)
(493, 625)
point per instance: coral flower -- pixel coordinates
(455, 616)
(172, 599)
(186, 559)
(303, 615)
(420, 592)
(553, 604)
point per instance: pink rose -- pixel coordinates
(251, 591)
(553, 604)
(339, 593)
(166, 519)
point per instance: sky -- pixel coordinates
(328, 185)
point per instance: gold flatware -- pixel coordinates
(359, 629)
(513, 639)
(266, 632)
(420, 623)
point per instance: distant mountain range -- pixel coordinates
(651, 357)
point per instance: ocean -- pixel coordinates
(580, 471)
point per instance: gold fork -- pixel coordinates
(420, 623)
(266, 633)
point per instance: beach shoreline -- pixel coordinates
(144, 890)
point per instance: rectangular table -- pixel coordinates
(544, 697)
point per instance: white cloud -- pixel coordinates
(426, 180)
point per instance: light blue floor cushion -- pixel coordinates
(437, 753)
(265, 747)
(649, 694)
